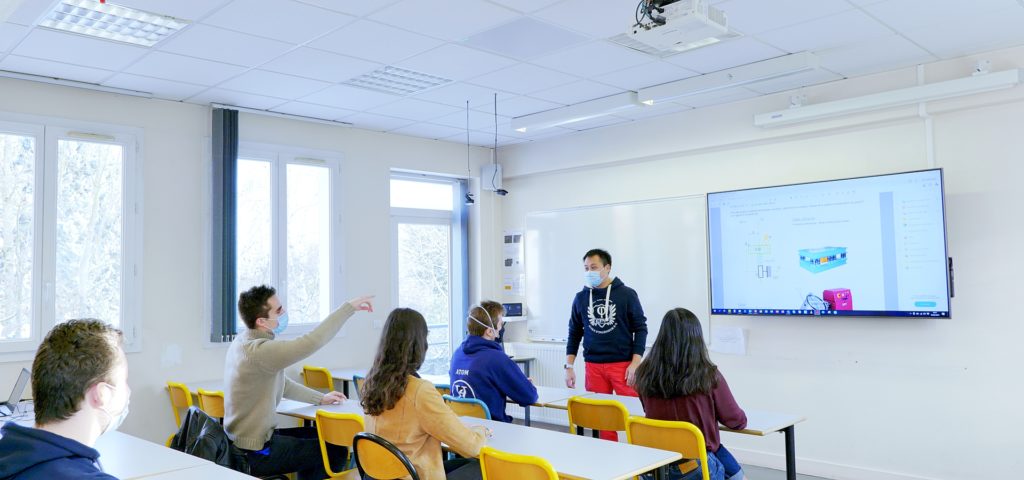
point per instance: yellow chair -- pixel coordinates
(498, 465)
(597, 415)
(337, 429)
(682, 437)
(380, 459)
(211, 402)
(181, 399)
(317, 377)
(467, 407)
(443, 389)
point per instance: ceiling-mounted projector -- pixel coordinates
(676, 27)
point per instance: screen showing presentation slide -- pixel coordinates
(872, 246)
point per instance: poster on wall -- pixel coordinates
(513, 277)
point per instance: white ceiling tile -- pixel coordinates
(646, 75)
(382, 123)
(283, 20)
(791, 82)
(273, 84)
(158, 87)
(519, 106)
(238, 99)
(455, 62)
(184, 69)
(597, 122)
(375, 41)
(359, 8)
(525, 38)
(29, 13)
(833, 31)
(576, 92)
(985, 31)
(185, 9)
(657, 110)
(224, 46)
(321, 65)
(874, 56)
(46, 68)
(10, 34)
(428, 130)
(755, 16)
(523, 78)
(478, 120)
(526, 6)
(313, 111)
(728, 54)
(598, 19)
(456, 94)
(447, 19)
(415, 109)
(904, 15)
(718, 97)
(593, 59)
(352, 98)
(76, 49)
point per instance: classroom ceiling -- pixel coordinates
(295, 56)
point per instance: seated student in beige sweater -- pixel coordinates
(407, 410)
(255, 381)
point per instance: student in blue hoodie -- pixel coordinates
(606, 315)
(80, 390)
(481, 369)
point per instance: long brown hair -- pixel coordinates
(402, 350)
(678, 363)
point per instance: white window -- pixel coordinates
(429, 254)
(70, 230)
(287, 224)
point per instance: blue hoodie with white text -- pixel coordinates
(611, 332)
(28, 453)
(481, 369)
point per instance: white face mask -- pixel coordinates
(490, 320)
(116, 420)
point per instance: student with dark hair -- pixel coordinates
(678, 381)
(408, 411)
(481, 369)
(255, 380)
(606, 315)
(80, 390)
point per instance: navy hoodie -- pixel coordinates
(482, 370)
(610, 333)
(30, 453)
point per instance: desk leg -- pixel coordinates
(526, 418)
(344, 388)
(790, 453)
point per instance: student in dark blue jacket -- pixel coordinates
(481, 369)
(80, 385)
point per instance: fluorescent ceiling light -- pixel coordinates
(575, 113)
(733, 77)
(397, 81)
(112, 22)
(893, 98)
(73, 83)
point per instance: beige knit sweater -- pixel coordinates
(255, 380)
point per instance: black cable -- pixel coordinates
(495, 154)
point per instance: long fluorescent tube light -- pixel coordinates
(893, 98)
(73, 83)
(575, 113)
(112, 22)
(289, 116)
(733, 77)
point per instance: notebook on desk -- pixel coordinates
(11, 405)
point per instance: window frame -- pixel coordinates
(48, 131)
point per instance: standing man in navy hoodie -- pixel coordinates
(607, 316)
(80, 389)
(481, 369)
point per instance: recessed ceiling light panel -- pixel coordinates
(397, 81)
(112, 22)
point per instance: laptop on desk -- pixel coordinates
(11, 405)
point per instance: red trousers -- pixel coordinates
(608, 378)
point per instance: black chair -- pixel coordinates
(379, 459)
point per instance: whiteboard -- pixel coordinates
(658, 247)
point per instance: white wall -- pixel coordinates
(175, 324)
(884, 398)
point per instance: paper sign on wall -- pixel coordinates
(728, 340)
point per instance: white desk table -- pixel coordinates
(202, 472)
(576, 456)
(127, 457)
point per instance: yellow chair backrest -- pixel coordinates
(682, 437)
(181, 399)
(317, 377)
(337, 429)
(379, 459)
(443, 390)
(211, 402)
(498, 465)
(467, 407)
(597, 414)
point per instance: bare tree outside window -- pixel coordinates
(17, 224)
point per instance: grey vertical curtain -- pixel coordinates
(225, 209)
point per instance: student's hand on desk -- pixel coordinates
(364, 303)
(333, 398)
(570, 378)
(487, 432)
